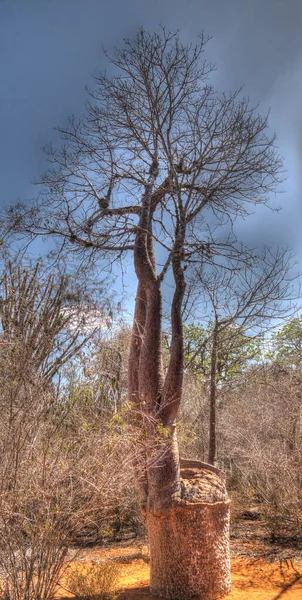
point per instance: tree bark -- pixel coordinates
(189, 543)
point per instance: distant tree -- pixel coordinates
(157, 155)
(235, 351)
(105, 369)
(242, 302)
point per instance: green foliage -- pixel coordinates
(235, 350)
(97, 582)
(287, 342)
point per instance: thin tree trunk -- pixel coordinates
(213, 378)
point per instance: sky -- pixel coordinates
(49, 49)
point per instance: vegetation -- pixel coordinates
(242, 303)
(95, 582)
(236, 351)
(158, 170)
(259, 441)
(62, 478)
(287, 343)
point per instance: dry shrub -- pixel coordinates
(94, 582)
(65, 462)
(193, 429)
(260, 446)
(57, 479)
(259, 439)
(35, 516)
(105, 447)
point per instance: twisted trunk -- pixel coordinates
(188, 539)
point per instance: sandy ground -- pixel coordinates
(253, 579)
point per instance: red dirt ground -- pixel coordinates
(253, 579)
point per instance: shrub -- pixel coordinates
(55, 482)
(259, 437)
(96, 581)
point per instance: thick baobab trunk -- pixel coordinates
(187, 513)
(188, 533)
(189, 542)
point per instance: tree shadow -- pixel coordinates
(141, 592)
(287, 587)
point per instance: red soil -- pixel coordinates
(252, 579)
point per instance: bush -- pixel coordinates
(259, 439)
(97, 582)
(56, 481)
(65, 462)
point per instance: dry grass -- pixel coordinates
(94, 581)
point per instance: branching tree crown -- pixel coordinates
(236, 351)
(154, 128)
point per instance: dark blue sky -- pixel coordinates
(50, 48)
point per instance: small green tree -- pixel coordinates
(235, 350)
(287, 343)
(217, 353)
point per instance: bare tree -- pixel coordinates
(158, 157)
(244, 303)
(63, 478)
(41, 317)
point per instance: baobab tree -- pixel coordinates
(158, 159)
